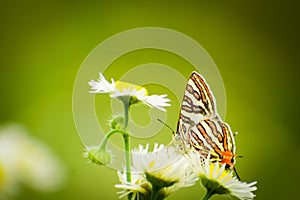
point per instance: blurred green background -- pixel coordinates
(255, 45)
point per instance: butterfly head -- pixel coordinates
(228, 158)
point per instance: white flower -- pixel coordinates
(164, 164)
(138, 186)
(121, 89)
(25, 160)
(217, 180)
(156, 173)
(102, 85)
(157, 101)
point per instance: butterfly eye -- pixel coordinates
(227, 166)
(232, 160)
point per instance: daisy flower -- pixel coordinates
(217, 180)
(163, 168)
(138, 188)
(163, 162)
(123, 90)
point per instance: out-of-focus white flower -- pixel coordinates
(121, 89)
(217, 180)
(26, 160)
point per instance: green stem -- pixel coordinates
(126, 113)
(154, 193)
(126, 141)
(109, 134)
(208, 195)
(127, 157)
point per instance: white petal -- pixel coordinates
(102, 85)
(164, 163)
(157, 101)
(237, 188)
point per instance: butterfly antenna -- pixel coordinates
(234, 169)
(166, 125)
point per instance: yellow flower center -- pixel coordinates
(212, 168)
(151, 164)
(121, 86)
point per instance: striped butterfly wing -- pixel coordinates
(197, 104)
(199, 125)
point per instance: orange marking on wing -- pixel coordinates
(202, 95)
(198, 77)
(214, 130)
(195, 136)
(225, 131)
(208, 140)
(192, 91)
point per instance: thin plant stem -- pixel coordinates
(154, 193)
(126, 113)
(208, 195)
(109, 134)
(127, 142)
(127, 157)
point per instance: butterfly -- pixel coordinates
(200, 127)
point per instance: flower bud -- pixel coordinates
(117, 122)
(98, 155)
